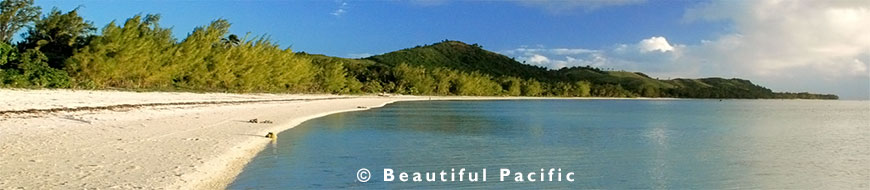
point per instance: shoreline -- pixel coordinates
(64, 139)
(163, 141)
(224, 177)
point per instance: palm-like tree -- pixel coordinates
(231, 41)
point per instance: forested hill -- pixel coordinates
(463, 57)
(64, 50)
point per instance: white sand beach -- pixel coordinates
(78, 139)
(64, 139)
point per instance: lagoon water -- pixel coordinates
(611, 144)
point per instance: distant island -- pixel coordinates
(62, 50)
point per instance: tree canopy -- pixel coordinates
(14, 15)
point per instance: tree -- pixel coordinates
(231, 41)
(14, 15)
(134, 55)
(58, 35)
(532, 88)
(414, 80)
(512, 86)
(332, 77)
(33, 70)
(649, 91)
(581, 88)
(7, 53)
(443, 80)
(475, 84)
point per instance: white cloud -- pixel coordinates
(540, 49)
(538, 59)
(341, 10)
(338, 12)
(656, 43)
(428, 2)
(621, 56)
(783, 37)
(551, 6)
(566, 51)
(790, 42)
(557, 57)
(359, 55)
(817, 46)
(560, 6)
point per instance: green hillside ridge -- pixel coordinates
(63, 50)
(461, 56)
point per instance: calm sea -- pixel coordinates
(610, 144)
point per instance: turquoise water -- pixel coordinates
(611, 144)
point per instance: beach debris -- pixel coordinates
(362, 107)
(271, 135)
(255, 120)
(77, 119)
(384, 94)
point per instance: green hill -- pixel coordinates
(464, 57)
(459, 56)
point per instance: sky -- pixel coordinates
(795, 46)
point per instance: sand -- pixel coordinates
(64, 139)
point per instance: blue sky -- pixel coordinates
(757, 40)
(381, 26)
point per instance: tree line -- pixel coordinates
(63, 50)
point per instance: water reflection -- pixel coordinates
(613, 144)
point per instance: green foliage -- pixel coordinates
(141, 54)
(333, 77)
(443, 80)
(14, 15)
(354, 86)
(7, 53)
(804, 95)
(459, 56)
(582, 89)
(575, 89)
(35, 70)
(532, 88)
(30, 69)
(610, 90)
(135, 55)
(58, 35)
(717, 88)
(60, 51)
(476, 84)
(512, 86)
(413, 80)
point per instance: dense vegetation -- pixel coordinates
(63, 50)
